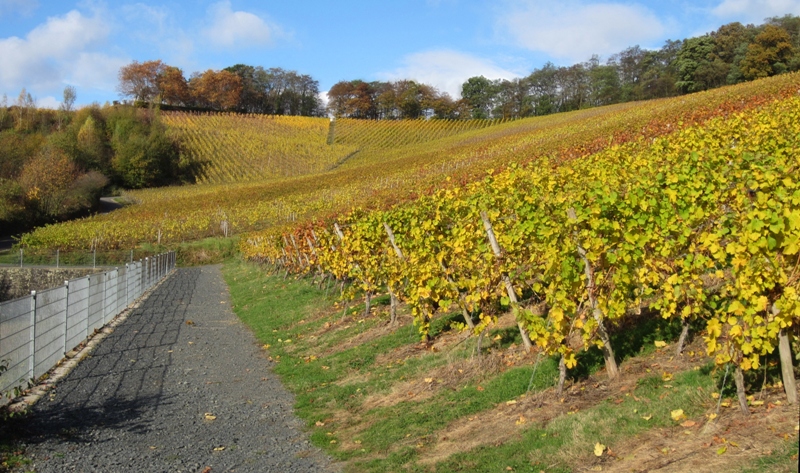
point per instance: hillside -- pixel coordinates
(388, 176)
(602, 290)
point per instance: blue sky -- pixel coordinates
(46, 44)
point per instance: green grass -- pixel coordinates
(782, 459)
(332, 380)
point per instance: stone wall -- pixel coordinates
(19, 282)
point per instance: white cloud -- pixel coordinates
(52, 52)
(96, 70)
(48, 102)
(230, 28)
(445, 69)
(755, 11)
(574, 30)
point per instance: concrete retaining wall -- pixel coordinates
(19, 282)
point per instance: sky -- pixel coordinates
(46, 45)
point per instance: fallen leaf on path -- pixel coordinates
(219, 449)
(688, 423)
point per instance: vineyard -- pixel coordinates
(227, 147)
(230, 148)
(614, 289)
(379, 179)
(702, 223)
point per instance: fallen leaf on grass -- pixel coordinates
(319, 423)
(660, 344)
(599, 448)
(647, 417)
(688, 423)
(677, 415)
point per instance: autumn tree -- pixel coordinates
(139, 80)
(769, 54)
(46, 180)
(172, 86)
(25, 112)
(218, 90)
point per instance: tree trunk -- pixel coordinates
(367, 302)
(512, 295)
(738, 376)
(684, 336)
(562, 376)
(466, 314)
(478, 346)
(787, 368)
(608, 353)
(461, 299)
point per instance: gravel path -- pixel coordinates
(180, 386)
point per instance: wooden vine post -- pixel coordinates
(393, 298)
(299, 254)
(608, 352)
(738, 376)
(787, 369)
(512, 296)
(683, 337)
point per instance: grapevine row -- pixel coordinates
(703, 223)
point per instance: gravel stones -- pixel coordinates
(180, 386)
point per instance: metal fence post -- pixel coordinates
(127, 268)
(66, 317)
(88, 304)
(32, 332)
